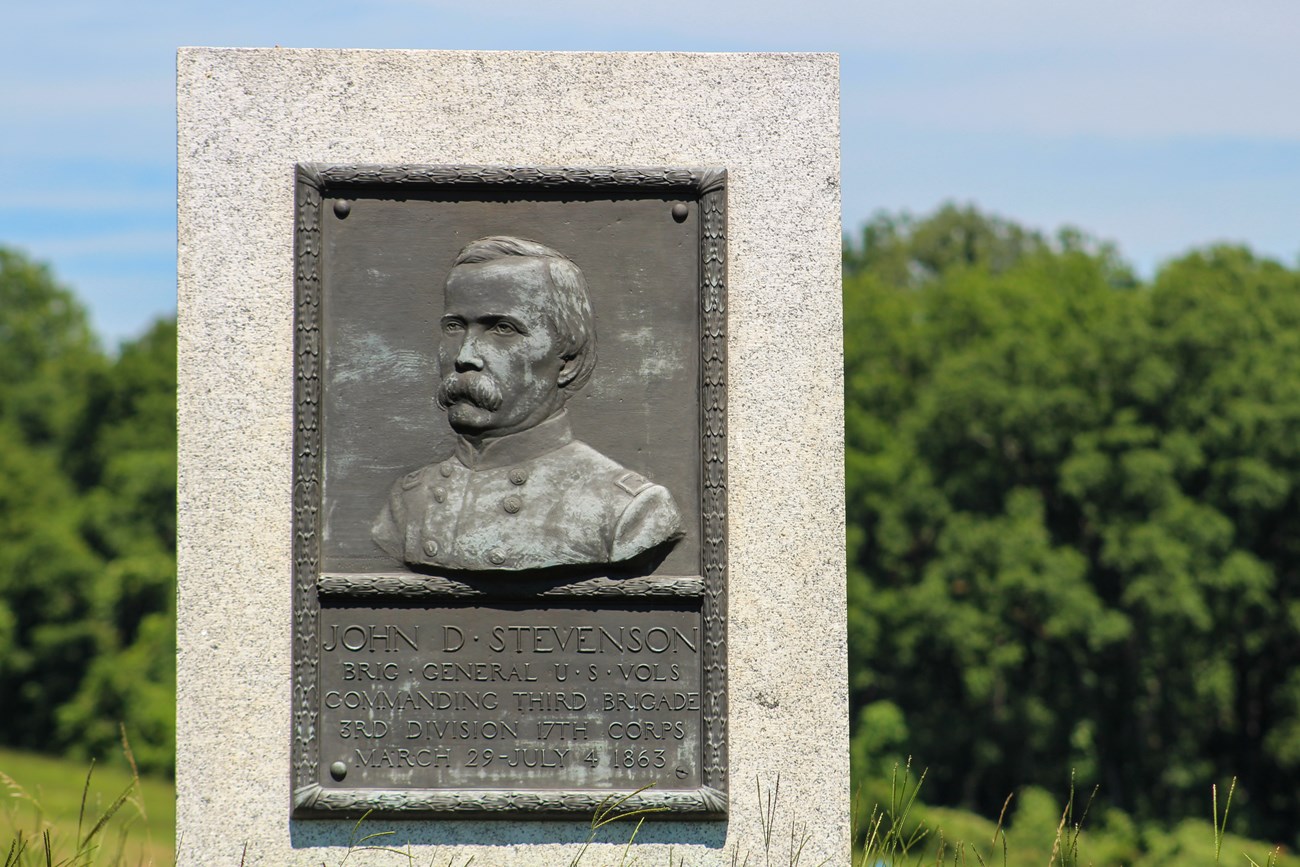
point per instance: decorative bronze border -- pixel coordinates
(315, 182)
(342, 803)
(408, 585)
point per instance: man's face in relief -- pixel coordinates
(500, 353)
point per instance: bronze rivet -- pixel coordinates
(496, 556)
(518, 476)
(512, 504)
(679, 212)
(342, 207)
(431, 547)
(445, 469)
(440, 494)
(338, 770)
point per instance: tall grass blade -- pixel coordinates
(108, 814)
(85, 792)
(622, 861)
(16, 848)
(137, 801)
(1221, 825)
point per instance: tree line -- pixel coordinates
(1074, 518)
(1073, 500)
(87, 527)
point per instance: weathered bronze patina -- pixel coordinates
(517, 341)
(510, 556)
(513, 696)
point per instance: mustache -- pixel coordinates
(478, 389)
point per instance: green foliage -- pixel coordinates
(48, 355)
(1074, 508)
(1034, 828)
(131, 520)
(87, 519)
(1036, 835)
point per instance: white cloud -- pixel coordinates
(98, 96)
(105, 245)
(1107, 67)
(1120, 97)
(85, 83)
(879, 25)
(75, 199)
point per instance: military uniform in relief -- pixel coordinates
(528, 500)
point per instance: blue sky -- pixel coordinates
(1158, 124)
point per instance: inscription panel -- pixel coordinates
(487, 697)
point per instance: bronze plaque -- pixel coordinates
(510, 491)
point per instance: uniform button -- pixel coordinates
(512, 504)
(496, 556)
(445, 469)
(431, 548)
(518, 476)
(440, 494)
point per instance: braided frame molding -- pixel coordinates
(409, 585)
(314, 800)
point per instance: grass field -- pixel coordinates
(44, 793)
(41, 792)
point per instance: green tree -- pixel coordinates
(1071, 502)
(87, 526)
(48, 358)
(131, 521)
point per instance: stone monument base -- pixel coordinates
(246, 118)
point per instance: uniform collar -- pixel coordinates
(495, 452)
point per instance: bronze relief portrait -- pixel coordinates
(516, 340)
